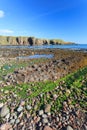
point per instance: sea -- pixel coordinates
(70, 47)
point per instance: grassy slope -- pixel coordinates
(72, 86)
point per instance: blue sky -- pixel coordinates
(63, 19)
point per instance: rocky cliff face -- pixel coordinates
(9, 40)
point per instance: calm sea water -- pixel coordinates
(82, 47)
(73, 47)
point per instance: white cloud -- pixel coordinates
(6, 31)
(1, 13)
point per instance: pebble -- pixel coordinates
(48, 113)
(28, 107)
(38, 119)
(1, 81)
(1, 105)
(55, 96)
(6, 126)
(47, 128)
(20, 108)
(22, 103)
(44, 116)
(65, 104)
(47, 108)
(57, 119)
(41, 112)
(7, 116)
(4, 111)
(85, 127)
(69, 128)
(17, 121)
(12, 121)
(14, 115)
(45, 120)
(40, 124)
(6, 92)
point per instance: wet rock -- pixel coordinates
(4, 111)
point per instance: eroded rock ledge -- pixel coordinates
(10, 40)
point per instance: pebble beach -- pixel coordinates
(44, 93)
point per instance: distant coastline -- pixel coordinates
(21, 40)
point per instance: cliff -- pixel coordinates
(10, 40)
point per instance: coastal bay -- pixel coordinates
(38, 90)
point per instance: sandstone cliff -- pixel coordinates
(10, 40)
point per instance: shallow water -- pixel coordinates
(72, 47)
(36, 56)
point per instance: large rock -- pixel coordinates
(4, 111)
(6, 126)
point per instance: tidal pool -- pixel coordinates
(37, 56)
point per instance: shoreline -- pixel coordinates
(43, 94)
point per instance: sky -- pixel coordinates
(51, 19)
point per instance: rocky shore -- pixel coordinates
(39, 94)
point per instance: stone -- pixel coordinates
(38, 119)
(6, 92)
(41, 112)
(45, 120)
(44, 116)
(20, 108)
(6, 126)
(48, 113)
(47, 108)
(7, 116)
(55, 96)
(4, 111)
(85, 127)
(28, 107)
(1, 105)
(57, 119)
(12, 121)
(47, 128)
(14, 115)
(17, 121)
(69, 128)
(22, 103)
(65, 104)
